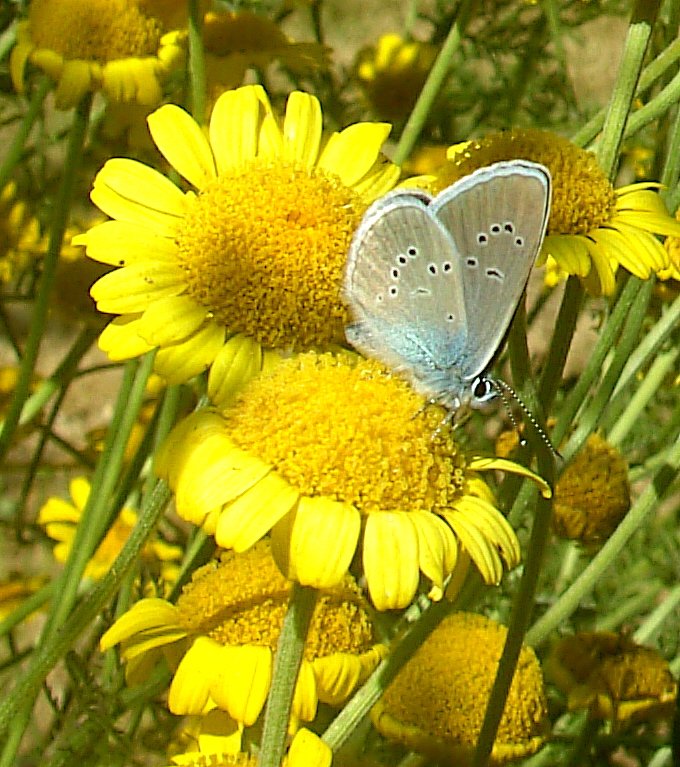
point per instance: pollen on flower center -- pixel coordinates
(264, 248)
(244, 598)
(99, 30)
(583, 199)
(349, 432)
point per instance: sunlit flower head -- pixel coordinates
(672, 245)
(92, 45)
(237, 41)
(436, 703)
(612, 677)
(21, 242)
(592, 494)
(392, 73)
(221, 639)
(260, 248)
(60, 519)
(325, 452)
(593, 228)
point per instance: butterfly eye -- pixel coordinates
(483, 390)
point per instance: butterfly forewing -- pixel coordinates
(497, 218)
(404, 286)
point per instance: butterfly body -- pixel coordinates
(433, 282)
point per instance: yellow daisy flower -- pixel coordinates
(392, 73)
(20, 239)
(592, 495)
(221, 639)
(236, 41)
(436, 703)
(60, 518)
(259, 250)
(326, 450)
(612, 677)
(593, 228)
(92, 45)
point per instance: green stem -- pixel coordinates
(197, 71)
(661, 64)
(86, 611)
(565, 327)
(666, 98)
(27, 606)
(519, 619)
(639, 32)
(58, 225)
(598, 408)
(647, 503)
(657, 620)
(435, 79)
(661, 367)
(15, 150)
(289, 652)
(593, 368)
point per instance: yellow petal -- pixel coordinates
(190, 688)
(241, 681)
(17, 63)
(302, 128)
(620, 248)
(308, 750)
(352, 153)
(182, 361)
(601, 280)
(493, 526)
(390, 557)
(133, 192)
(144, 615)
(74, 83)
(337, 676)
(437, 548)
(250, 517)
(171, 320)
(234, 126)
(382, 177)
(295, 541)
(305, 699)
(134, 288)
(183, 144)
(483, 554)
(570, 252)
(121, 244)
(239, 360)
(481, 463)
(120, 340)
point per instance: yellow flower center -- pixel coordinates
(348, 430)
(94, 30)
(243, 600)
(444, 688)
(583, 199)
(264, 247)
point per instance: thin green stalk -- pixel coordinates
(435, 79)
(27, 606)
(197, 72)
(15, 150)
(58, 223)
(605, 342)
(411, 17)
(661, 64)
(657, 619)
(652, 382)
(666, 98)
(598, 407)
(88, 609)
(646, 503)
(552, 14)
(629, 610)
(639, 33)
(289, 653)
(520, 617)
(565, 327)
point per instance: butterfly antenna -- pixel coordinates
(504, 389)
